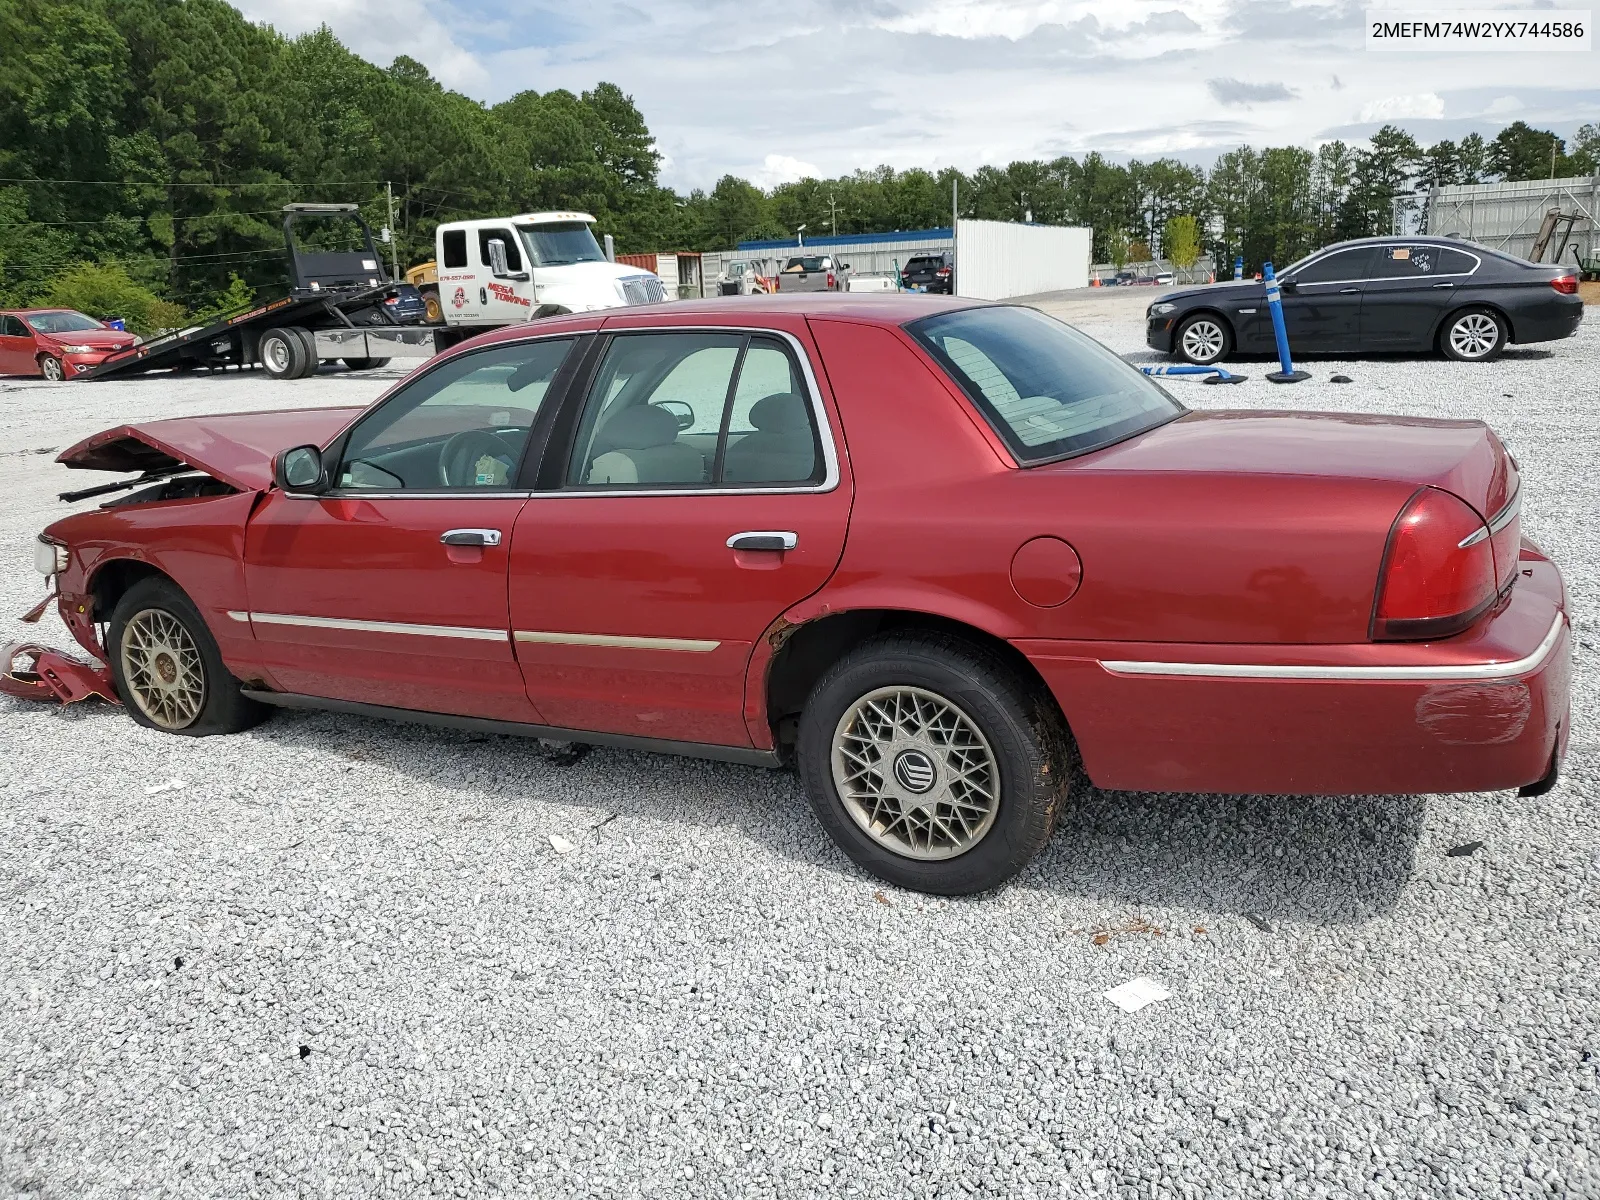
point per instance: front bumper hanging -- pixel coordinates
(33, 672)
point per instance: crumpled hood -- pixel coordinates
(237, 448)
(101, 339)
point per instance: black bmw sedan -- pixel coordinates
(1376, 295)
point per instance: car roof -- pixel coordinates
(39, 312)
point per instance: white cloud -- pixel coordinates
(1394, 108)
(1503, 104)
(847, 84)
(781, 168)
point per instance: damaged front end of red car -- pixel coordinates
(29, 671)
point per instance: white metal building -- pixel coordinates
(996, 260)
(1506, 216)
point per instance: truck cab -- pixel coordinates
(507, 270)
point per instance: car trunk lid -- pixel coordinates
(1464, 458)
(237, 448)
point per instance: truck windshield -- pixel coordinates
(560, 242)
(1047, 389)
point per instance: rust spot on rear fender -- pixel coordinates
(1475, 714)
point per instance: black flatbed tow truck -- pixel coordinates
(334, 310)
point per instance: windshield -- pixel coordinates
(61, 322)
(804, 264)
(1048, 390)
(558, 243)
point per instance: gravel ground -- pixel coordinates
(344, 958)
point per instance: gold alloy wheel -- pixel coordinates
(162, 668)
(915, 773)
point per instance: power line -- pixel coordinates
(222, 212)
(223, 256)
(242, 183)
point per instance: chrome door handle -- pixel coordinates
(1348, 291)
(1440, 285)
(470, 537)
(764, 539)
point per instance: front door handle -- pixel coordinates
(1348, 291)
(470, 537)
(1440, 285)
(764, 539)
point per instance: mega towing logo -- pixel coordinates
(501, 292)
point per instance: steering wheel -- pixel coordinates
(459, 457)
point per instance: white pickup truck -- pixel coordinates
(507, 270)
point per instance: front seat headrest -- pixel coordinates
(638, 428)
(779, 413)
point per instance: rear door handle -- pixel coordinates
(470, 537)
(764, 539)
(1439, 285)
(1348, 291)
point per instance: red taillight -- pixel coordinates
(942, 272)
(830, 279)
(1438, 572)
(1567, 285)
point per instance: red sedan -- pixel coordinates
(57, 343)
(947, 558)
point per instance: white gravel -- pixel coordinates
(348, 958)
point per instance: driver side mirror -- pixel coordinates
(1288, 286)
(299, 470)
(681, 411)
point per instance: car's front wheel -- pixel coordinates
(1473, 335)
(1204, 339)
(932, 764)
(50, 367)
(167, 668)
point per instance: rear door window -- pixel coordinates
(696, 410)
(1415, 262)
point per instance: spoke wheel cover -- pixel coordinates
(1474, 335)
(1202, 340)
(51, 369)
(162, 668)
(915, 773)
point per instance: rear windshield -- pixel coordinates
(804, 264)
(1048, 390)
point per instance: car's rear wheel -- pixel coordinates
(50, 367)
(282, 353)
(1204, 339)
(931, 764)
(167, 668)
(1473, 335)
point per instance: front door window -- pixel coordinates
(464, 425)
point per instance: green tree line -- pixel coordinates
(147, 148)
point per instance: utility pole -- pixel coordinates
(833, 214)
(955, 219)
(394, 235)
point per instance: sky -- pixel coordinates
(774, 90)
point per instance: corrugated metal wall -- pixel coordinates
(1506, 216)
(996, 260)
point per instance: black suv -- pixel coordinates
(929, 273)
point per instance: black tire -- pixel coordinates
(219, 708)
(282, 353)
(1208, 330)
(431, 305)
(309, 341)
(1030, 747)
(366, 364)
(1473, 335)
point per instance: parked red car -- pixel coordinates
(938, 554)
(57, 343)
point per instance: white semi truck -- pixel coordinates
(507, 270)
